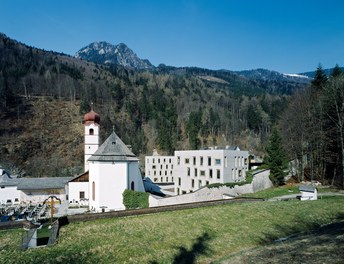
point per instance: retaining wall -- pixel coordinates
(260, 182)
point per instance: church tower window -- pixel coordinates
(91, 132)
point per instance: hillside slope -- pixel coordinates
(166, 108)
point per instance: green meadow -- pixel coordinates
(202, 235)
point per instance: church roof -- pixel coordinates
(113, 149)
(7, 180)
(42, 183)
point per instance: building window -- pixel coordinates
(155, 179)
(210, 173)
(209, 161)
(194, 160)
(202, 173)
(178, 160)
(160, 173)
(132, 186)
(201, 161)
(153, 167)
(170, 172)
(166, 167)
(193, 183)
(226, 162)
(199, 184)
(179, 181)
(93, 191)
(154, 173)
(164, 160)
(188, 169)
(158, 160)
(187, 161)
(217, 161)
(165, 173)
(81, 195)
(169, 160)
(195, 172)
(153, 160)
(166, 179)
(91, 131)
(218, 174)
(207, 183)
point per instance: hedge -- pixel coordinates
(134, 200)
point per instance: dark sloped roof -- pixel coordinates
(113, 149)
(42, 183)
(7, 180)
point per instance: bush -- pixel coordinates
(133, 199)
(249, 178)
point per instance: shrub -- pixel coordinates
(133, 199)
(249, 178)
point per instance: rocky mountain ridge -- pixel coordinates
(106, 53)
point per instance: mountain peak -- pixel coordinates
(106, 53)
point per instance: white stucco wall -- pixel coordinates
(74, 191)
(110, 181)
(38, 196)
(91, 142)
(260, 181)
(9, 193)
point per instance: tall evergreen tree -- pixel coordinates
(276, 158)
(320, 79)
(336, 71)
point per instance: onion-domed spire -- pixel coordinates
(91, 116)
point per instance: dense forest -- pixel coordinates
(45, 94)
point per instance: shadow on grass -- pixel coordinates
(200, 247)
(315, 244)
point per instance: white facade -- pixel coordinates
(108, 181)
(9, 194)
(197, 168)
(39, 196)
(78, 193)
(91, 141)
(160, 168)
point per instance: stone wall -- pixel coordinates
(260, 182)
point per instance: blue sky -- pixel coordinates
(286, 36)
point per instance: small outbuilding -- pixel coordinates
(308, 192)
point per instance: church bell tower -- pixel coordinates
(91, 124)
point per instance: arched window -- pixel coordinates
(132, 186)
(93, 191)
(91, 131)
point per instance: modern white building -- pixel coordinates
(159, 168)
(197, 168)
(190, 170)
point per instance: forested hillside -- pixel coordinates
(45, 94)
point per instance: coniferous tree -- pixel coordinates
(336, 71)
(276, 158)
(320, 78)
(84, 106)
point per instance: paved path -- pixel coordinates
(293, 196)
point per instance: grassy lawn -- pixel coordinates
(202, 235)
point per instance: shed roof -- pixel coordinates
(307, 188)
(113, 149)
(42, 183)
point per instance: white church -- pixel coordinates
(109, 170)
